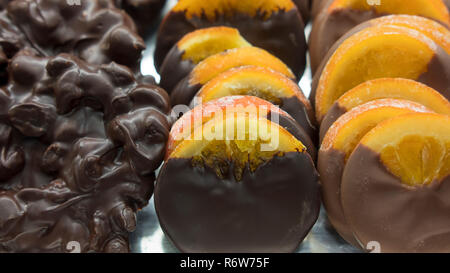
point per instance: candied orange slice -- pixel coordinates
(252, 81)
(221, 62)
(414, 147)
(375, 52)
(236, 141)
(202, 43)
(210, 9)
(347, 131)
(435, 9)
(201, 114)
(395, 88)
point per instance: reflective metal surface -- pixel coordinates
(149, 238)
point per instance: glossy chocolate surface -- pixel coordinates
(143, 12)
(270, 210)
(79, 144)
(173, 70)
(94, 31)
(330, 164)
(282, 34)
(335, 112)
(304, 7)
(380, 208)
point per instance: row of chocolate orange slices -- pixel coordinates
(239, 173)
(381, 98)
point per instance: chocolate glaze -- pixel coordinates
(330, 165)
(143, 12)
(174, 69)
(95, 31)
(304, 7)
(270, 210)
(333, 114)
(317, 6)
(282, 34)
(380, 208)
(79, 144)
(437, 75)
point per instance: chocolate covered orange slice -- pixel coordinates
(193, 48)
(221, 62)
(395, 185)
(338, 145)
(266, 84)
(235, 105)
(252, 189)
(394, 88)
(275, 25)
(378, 52)
(339, 16)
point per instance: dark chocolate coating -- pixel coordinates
(270, 210)
(335, 112)
(437, 75)
(304, 7)
(79, 144)
(282, 34)
(330, 164)
(143, 12)
(317, 6)
(380, 208)
(447, 3)
(174, 69)
(94, 31)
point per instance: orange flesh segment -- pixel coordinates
(434, 30)
(243, 140)
(413, 147)
(434, 9)
(345, 134)
(375, 52)
(395, 88)
(228, 8)
(202, 43)
(221, 62)
(253, 81)
(203, 113)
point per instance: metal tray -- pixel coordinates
(149, 238)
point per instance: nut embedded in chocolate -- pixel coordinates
(79, 144)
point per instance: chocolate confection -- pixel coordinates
(260, 213)
(438, 66)
(79, 144)
(279, 31)
(379, 211)
(143, 12)
(95, 31)
(304, 7)
(329, 26)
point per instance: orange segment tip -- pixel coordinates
(435, 9)
(202, 43)
(256, 81)
(345, 134)
(228, 8)
(374, 52)
(221, 62)
(395, 88)
(413, 147)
